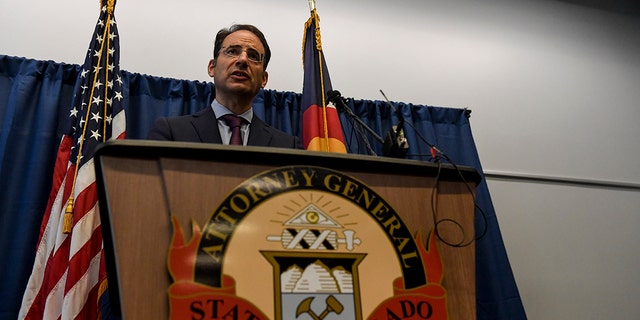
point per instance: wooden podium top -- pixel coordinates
(146, 149)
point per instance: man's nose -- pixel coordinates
(243, 57)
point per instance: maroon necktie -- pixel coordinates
(234, 122)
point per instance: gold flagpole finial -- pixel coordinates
(312, 5)
(109, 3)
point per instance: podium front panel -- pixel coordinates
(142, 183)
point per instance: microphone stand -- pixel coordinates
(338, 101)
(360, 124)
(395, 143)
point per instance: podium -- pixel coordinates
(141, 184)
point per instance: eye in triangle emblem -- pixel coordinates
(312, 216)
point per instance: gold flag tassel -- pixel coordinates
(68, 217)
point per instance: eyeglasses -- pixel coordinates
(235, 51)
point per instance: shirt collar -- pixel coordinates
(220, 110)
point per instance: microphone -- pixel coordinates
(336, 98)
(338, 101)
(395, 143)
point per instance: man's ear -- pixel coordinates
(211, 67)
(265, 77)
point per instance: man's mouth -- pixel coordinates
(240, 74)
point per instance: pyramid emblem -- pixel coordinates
(312, 216)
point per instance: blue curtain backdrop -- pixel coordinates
(35, 99)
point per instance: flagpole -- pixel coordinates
(325, 131)
(316, 18)
(68, 215)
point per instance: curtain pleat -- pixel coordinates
(34, 102)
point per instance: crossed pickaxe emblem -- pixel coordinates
(333, 305)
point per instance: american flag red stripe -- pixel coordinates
(321, 128)
(69, 271)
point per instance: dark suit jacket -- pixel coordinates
(202, 126)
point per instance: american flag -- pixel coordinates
(321, 128)
(68, 273)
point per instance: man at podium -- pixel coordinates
(238, 68)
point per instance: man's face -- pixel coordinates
(238, 75)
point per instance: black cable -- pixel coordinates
(349, 138)
(363, 136)
(360, 135)
(437, 154)
(361, 132)
(434, 151)
(437, 223)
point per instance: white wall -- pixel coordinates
(554, 90)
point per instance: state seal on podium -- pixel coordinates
(304, 242)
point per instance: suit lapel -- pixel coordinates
(259, 135)
(206, 126)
